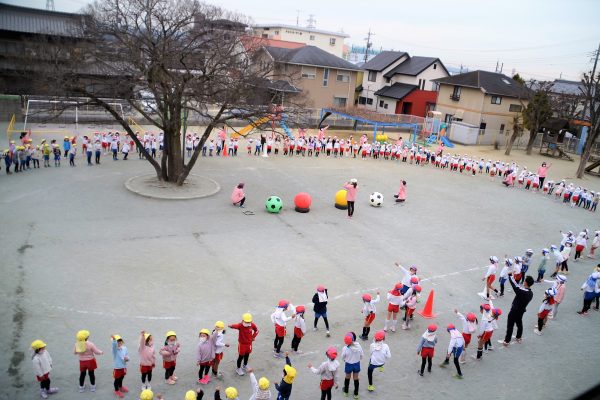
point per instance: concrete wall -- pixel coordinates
(10, 105)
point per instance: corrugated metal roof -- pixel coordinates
(30, 20)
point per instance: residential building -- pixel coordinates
(482, 99)
(324, 79)
(331, 42)
(396, 83)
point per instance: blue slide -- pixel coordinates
(283, 124)
(447, 142)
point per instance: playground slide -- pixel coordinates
(447, 142)
(283, 124)
(248, 128)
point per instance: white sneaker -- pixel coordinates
(81, 389)
(144, 386)
(92, 388)
(43, 394)
(240, 371)
(315, 329)
(539, 333)
(328, 334)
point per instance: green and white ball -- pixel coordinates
(274, 204)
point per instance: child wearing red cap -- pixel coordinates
(328, 372)
(426, 348)
(369, 310)
(279, 319)
(299, 328)
(395, 300)
(469, 327)
(380, 352)
(407, 280)
(352, 353)
(248, 332)
(319, 300)
(486, 329)
(545, 309)
(456, 348)
(410, 304)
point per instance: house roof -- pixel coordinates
(567, 87)
(491, 82)
(255, 42)
(302, 28)
(36, 21)
(414, 66)
(383, 60)
(309, 55)
(397, 91)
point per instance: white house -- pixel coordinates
(331, 42)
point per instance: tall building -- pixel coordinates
(331, 42)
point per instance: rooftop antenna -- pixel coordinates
(50, 5)
(297, 17)
(312, 22)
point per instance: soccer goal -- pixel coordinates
(63, 112)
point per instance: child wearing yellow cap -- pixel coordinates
(219, 347)
(147, 358)
(289, 374)
(42, 365)
(231, 393)
(87, 352)
(169, 353)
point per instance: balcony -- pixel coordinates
(455, 97)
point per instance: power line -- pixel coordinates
(369, 44)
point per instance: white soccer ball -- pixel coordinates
(376, 199)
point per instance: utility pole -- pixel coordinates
(50, 5)
(312, 22)
(592, 77)
(297, 17)
(496, 70)
(501, 67)
(369, 44)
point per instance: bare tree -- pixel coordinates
(517, 131)
(537, 111)
(591, 94)
(186, 57)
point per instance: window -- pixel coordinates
(362, 100)
(515, 108)
(434, 66)
(277, 32)
(339, 102)
(369, 101)
(332, 41)
(381, 103)
(387, 80)
(482, 128)
(385, 106)
(309, 72)
(422, 84)
(343, 77)
(325, 76)
(265, 36)
(312, 37)
(501, 129)
(455, 93)
(496, 99)
(448, 118)
(372, 76)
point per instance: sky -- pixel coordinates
(539, 39)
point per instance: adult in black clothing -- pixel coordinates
(523, 296)
(320, 306)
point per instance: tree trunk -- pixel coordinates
(513, 137)
(585, 156)
(532, 137)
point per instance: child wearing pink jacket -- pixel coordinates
(401, 196)
(238, 197)
(147, 358)
(351, 195)
(86, 351)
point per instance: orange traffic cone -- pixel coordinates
(224, 149)
(427, 312)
